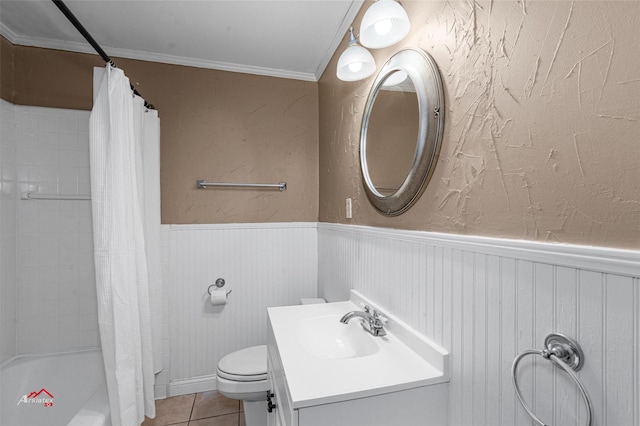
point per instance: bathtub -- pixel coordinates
(54, 390)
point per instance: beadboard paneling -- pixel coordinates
(263, 264)
(487, 300)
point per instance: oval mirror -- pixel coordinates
(401, 131)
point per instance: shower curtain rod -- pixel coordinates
(72, 18)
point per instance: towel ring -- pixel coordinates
(563, 352)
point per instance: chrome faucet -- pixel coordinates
(370, 320)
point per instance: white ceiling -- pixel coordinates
(282, 38)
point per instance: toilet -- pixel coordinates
(243, 375)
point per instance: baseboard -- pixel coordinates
(194, 385)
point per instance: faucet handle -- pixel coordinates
(384, 320)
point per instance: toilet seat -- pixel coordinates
(245, 365)
(241, 378)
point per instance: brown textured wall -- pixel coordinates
(6, 70)
(53, 78)
(230, 127)
(215, 125)
(542, 124)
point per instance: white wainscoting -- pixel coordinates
(487, 300)
(263, 264)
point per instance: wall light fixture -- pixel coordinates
(356, 62)
(385, 23)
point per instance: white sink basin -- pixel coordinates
(325, 361)
(326, 337)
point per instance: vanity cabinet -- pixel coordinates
(409, 405)
(282, 413)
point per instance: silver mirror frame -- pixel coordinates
(424, 74)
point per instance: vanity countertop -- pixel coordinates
(403, 359)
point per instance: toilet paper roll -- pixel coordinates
(218, 297)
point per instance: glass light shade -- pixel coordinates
(355, 63)
(385, 23)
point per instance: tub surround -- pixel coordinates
(8, 231)
(50, 299)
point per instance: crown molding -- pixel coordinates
(79, 47)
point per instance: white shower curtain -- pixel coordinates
(117, 136)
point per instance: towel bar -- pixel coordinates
(282, 186)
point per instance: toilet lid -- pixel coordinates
(247, 364)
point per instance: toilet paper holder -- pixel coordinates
(220, 282)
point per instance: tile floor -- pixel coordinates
(197, 409)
